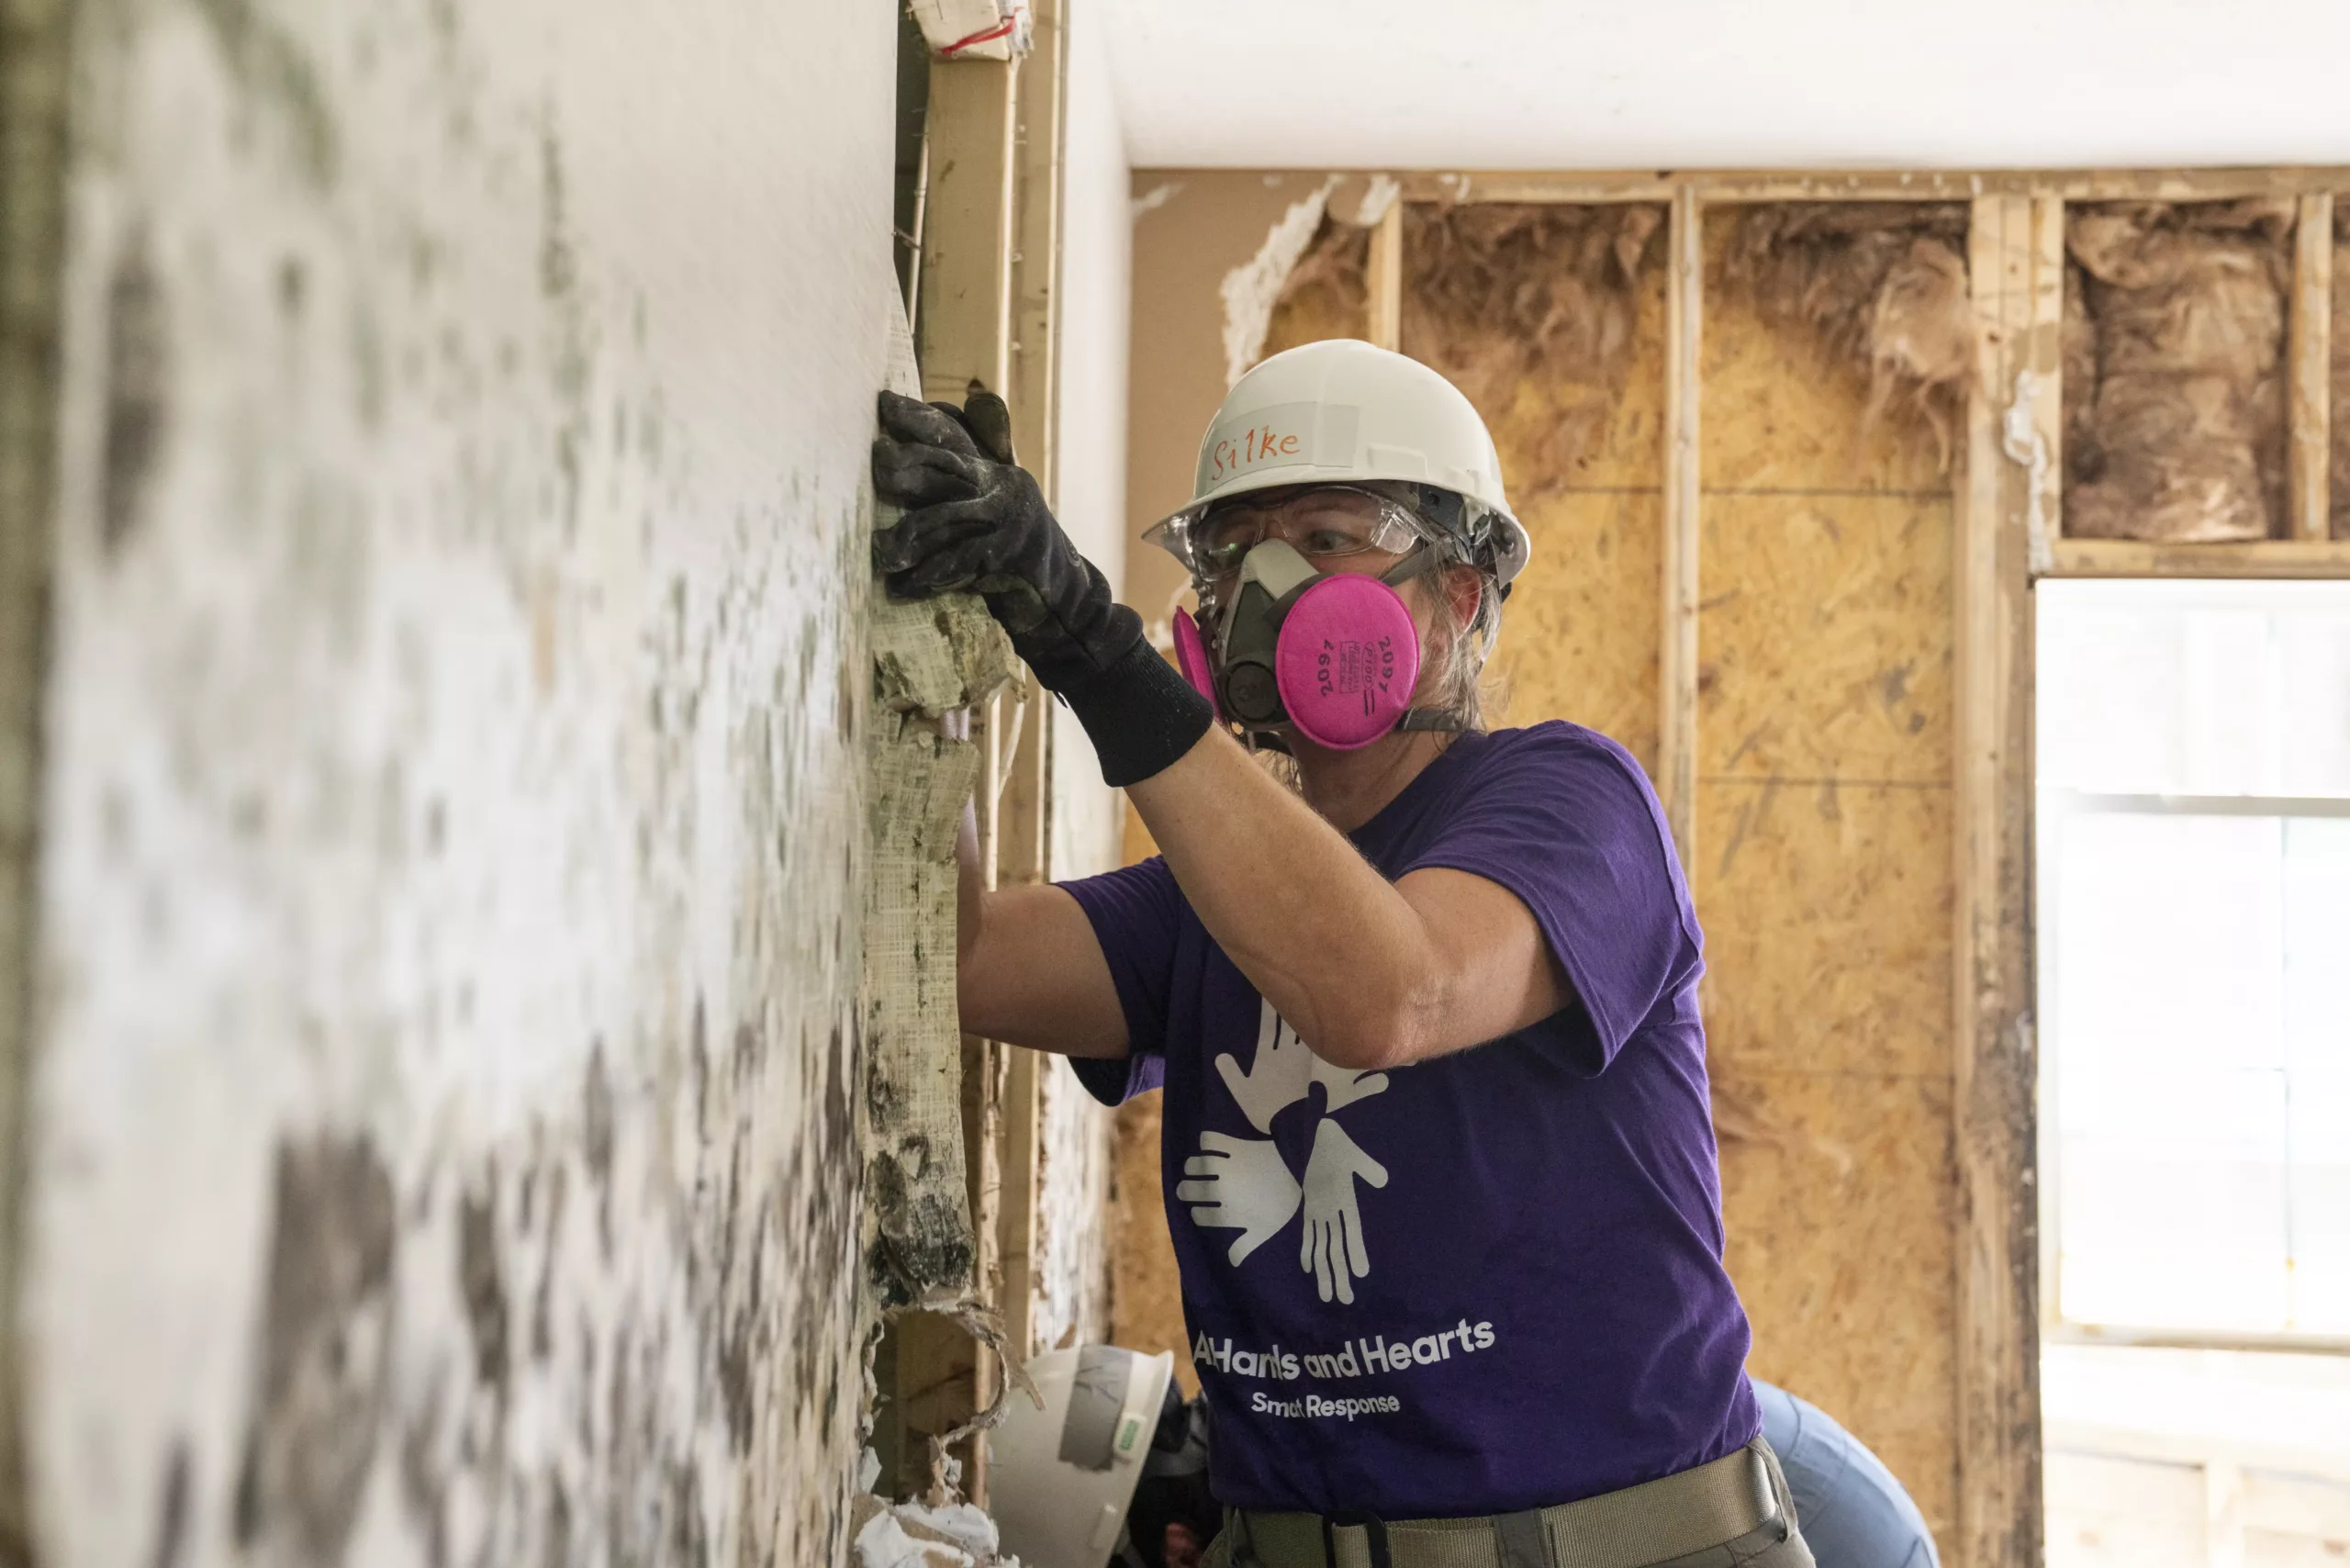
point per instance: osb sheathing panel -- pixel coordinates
(1824, 882)
(1580, 636)
(1776, 412)
(1824, 636)
(1827, 915)
(1841, 1246)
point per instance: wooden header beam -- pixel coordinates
(1734, 185)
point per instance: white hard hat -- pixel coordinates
(1344, 411)
(1060, 1479)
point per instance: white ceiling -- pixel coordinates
(1689, 83)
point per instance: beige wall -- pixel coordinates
(1823, 863)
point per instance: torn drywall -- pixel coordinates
(929, 659)
(2174, 423)
(1251, 290)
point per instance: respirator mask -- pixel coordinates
(1331, 656)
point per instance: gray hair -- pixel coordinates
(1453, 682)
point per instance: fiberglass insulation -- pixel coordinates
(2174, 427)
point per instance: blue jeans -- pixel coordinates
(1851, 1510)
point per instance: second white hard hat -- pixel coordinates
(1060, 1479)
(1344, 411)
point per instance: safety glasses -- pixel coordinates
(1324, 523)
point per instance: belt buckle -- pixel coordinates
(1374, 1530)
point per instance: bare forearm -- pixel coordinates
(1338, 950)
(1028, 969)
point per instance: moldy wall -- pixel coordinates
(437, 434)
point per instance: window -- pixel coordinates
(2194, 840)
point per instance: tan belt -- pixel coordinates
(1706, 1515)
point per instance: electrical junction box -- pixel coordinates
(974, 29)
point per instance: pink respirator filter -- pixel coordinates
(1347, 661)
(1191, 659)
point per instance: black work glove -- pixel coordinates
(975, 521)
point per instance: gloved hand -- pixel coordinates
(975, 521)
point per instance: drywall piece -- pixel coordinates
(2174, 369)
(930, 659)
(1251, 290)
(451, 843)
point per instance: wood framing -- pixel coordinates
(2014, 243)
(969, 281)
(1024, 836)
(1677, 672)
(2264, 558)
(1383, 278)
(1732, 185)
(2309, 489)
(965, 322)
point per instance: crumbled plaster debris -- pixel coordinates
(1379, 198)
(910, 1535)
(1151, 200)
(1251, 289)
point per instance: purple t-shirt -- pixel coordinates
(1482, 1284)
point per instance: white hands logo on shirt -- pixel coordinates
(1242, 1183)
(1334, 1252)
(1239, 1185)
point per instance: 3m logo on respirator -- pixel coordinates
(1283, 433)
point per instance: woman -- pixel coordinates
(1437, 1149)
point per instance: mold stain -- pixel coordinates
(137, 407)
(325, 1350)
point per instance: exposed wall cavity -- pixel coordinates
(446, 1054)
(1882, 288)
(2175, 425)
